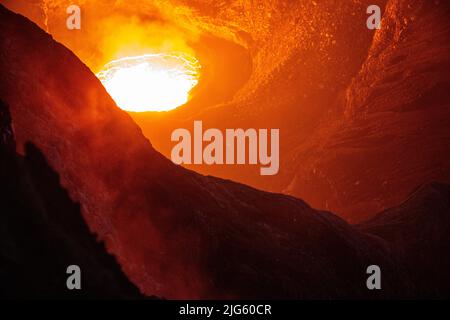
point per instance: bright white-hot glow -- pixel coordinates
(151, 82)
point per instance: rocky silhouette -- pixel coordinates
(42, 232)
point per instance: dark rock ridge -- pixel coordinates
(176, 233)
(42, 232)
(417, 233)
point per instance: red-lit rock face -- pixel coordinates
(391, 133)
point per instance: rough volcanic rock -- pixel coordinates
(390, 134)
(42, 232)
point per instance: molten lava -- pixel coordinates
(151, 82)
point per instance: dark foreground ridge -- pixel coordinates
(42, 232)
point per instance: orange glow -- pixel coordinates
(150, 82)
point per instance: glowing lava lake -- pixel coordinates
(151, 82)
